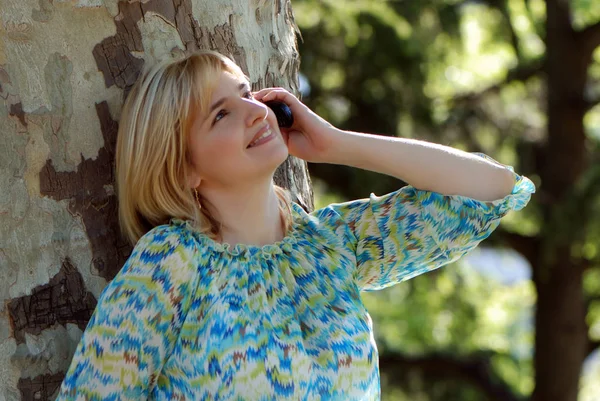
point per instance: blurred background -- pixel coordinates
(520, 81)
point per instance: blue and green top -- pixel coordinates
(188, 318)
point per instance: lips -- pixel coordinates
(263, 130)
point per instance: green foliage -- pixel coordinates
(322, 196)
(458, 311)
(435, 70)
(586, 12)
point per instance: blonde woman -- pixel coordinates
(233, 292)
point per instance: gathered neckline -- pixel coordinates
(286, 244)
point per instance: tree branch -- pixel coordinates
(469, 136)
(585, 264)
(593, 345)
(526, 246)
(591, 103)
(590, 38)
(589, 299)
(520, 73)
(537, 26)
(476, 370)
(514, 38)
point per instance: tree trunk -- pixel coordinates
(561, 332)
(63, 69)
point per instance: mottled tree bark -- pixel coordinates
(64, 67)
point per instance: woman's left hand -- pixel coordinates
(310, 137)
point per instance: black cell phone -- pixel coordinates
(282, 112)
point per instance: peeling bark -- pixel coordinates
(46, 86)
(90, 194)
(63, 300)
(40, 387)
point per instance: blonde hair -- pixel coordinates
(152, 160)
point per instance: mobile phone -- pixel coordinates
(282, 112)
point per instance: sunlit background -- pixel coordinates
(438, 71)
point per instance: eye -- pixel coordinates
(220, 115)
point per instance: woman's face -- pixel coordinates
(222, 144)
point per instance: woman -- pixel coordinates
(232, 291)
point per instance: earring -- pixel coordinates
(197, 198)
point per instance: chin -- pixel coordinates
(280, 155)
(271, 159)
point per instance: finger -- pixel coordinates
(273, 94)
(261, 93)
(278, 94)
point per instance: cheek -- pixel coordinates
(224, 146)
(218, 155)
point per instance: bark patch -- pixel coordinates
(114, 54)
(63, 300)
(40, 387)
(17, 110)
(90, 189)
(91, 195)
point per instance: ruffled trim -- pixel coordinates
(520, 194)
(287, 244)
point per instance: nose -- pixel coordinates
(257, 112)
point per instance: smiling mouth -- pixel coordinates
(265, 135)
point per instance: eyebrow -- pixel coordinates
(219, 102)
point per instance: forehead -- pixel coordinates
(228, 82)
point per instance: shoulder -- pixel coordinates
(166, 239)
(166, 252)
(162, 273)
(315, 219)
(342, 214)
(325, 226)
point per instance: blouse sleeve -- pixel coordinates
(136, 322)
(409, 232)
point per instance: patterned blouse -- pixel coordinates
(188, 318)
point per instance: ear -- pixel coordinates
(194, 181)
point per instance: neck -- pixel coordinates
(249, 214)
